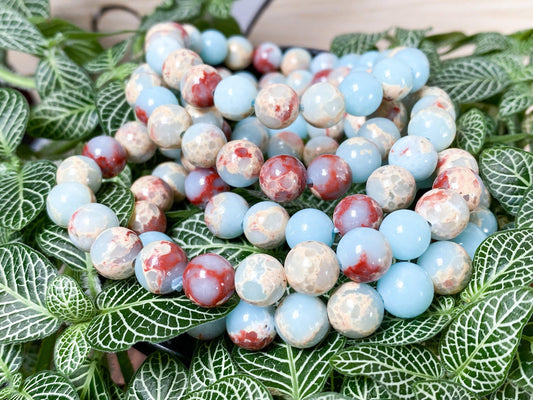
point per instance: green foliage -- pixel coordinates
(355, 43)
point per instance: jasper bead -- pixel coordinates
(395, 77)
(382, 132)
(147, 217)
(434, 101)
(329, 177)
(322, 105)
(434, 124)
(133, 136)
(173, 174)
(357, 210)
(140, 80)
(287, 143)
(234, 97)
(294, 59)
(153, 189)
(167, 124)
(177, 64)
(88, 222)
(299, 80)
(276, 106)
(264, 224)
(208, 330)
(201, 143)
(283, 178)
(251, 327)
(80, 169)
(454, 157)
(203, 183)
(198, 85)
(108, 154)
(362, 156)
(318, 146)
(463, 181)
(309, 224)
(151, 98)
(214, 46)
(392, 187)
(153, 236)
(266, 57)
(253, 130)
(239, 163)
(416, 154)
(64, 199)
(209, 115)
(394, 111)
(224, 215)
(484, 219)
(240, 52)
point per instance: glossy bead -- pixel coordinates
(337, 75)
(434, 101)
(355, 310)
(484, 219)
(133, 136)
(335, 132)
(159, 267)
(406, 290)
(253, 130)
(298, 126)
(470, 238)
(434, 124)
(248, 75)
(264, 224)
(394, 111)
(194, 38)
(201, 143)
(299, 80)
(267, 57)
(352, 124)
(158, 50)
(151, 98)
(239, 163)
(113, 252)
(224, 215)
(208, 115)
(322, 105)
(166, 125)
(350, 60)
(448, 265)
(240, 52)
(234, 97)
(88, 222)
(454, 157)
(80, 169)
(66, 198)
(367, 59)
(173, 174)
(322, 61)
(214, 47)
(302, 320)
(177, 64)
(355, 211)
(311, 268)
(309, 224)
(318, 146)
(251, 327)
(270, 78)
(445, 210)
(147, 217)
(433, 91)
(198, 85)
(362, 93)
(153, 189)
(138, 82)
(419, 64)
(362, 156)
(485, 196)
(382, 132)
(321, 76)
(283, 178)
(260, 280)
(153, 236)
(329, 177)
(463, 181)
(364, 254)
(108, 154)
(203, 183)
(416, 154)
(392, 187)
(208, 330)
(208, 280)
(285, 143)
(277, 106)
(171, 29)
(395, 77)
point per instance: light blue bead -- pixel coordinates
(419, 64)
(279, 145)
(434, 101)
(253, 130)
(299, 80)
(208, 330)
(362, 93)
(234, 97)
(322, 105)
(406, 290)
(214, 47)
(66, 198)
(323, 61)
(159, 49)
(299, 126)
(264, 224)
(153, 236)
(349, 60)
(382, 132)
(173, 154)
(395, 76)
(151, 98)
(470, 238)
(224, 215)
(174, 175)
(416, 154)
(368, 59)
(434, 124)
(484, 219)
(251, 327)
(88, 222)
(309, 224)
(247, 75)
(362, 156)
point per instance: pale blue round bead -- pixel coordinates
(321, 61)
(234, 97)
(382, 132)
(208, 330)
(214, 47)
(247, 75)
(322, 105)
(88, 222)
(299, 126)
(309, 224)
(253, 130)
(158, 50)
(80, 169)
(66, 198)
(484, 219)
(174, 176)
(362, 156)
(419, 64)
(153, 236)
(224, 215)
(151, 98)
(470, 238)
(299, 80)
(173, 154)
(395, 76)
(433, 101)
(416, 154)
(251, 327)
(367, 59)
(434, 124)
(362, 93)
(350, 60)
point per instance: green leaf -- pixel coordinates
(118, 73)
(124, 178)
(479, 345)
(364, 388)
(309, 200)
(442, 390)
(511, 392)
(211, 361)
(236, 387)
(28, 8)
(355, 43)
(72, 349)
(17, 33)
(91, 381)
(516, 99)
(10, 362)
(108, 59)
(173, 10)
(410, 37)
(47, 385)
(113, 109)
(66, 300)
(219, 8)
(288, 371)
(23, 193)
(14, 114)
(130, 314)
(161, 376)
(328, 396)
(488, 42)
(66, 115)
(524, 74)
(468, 80)
(8, 236)
(472, 130)
(395, 367)
(54, 241)
(521, 373)
(24, 278)
(508, 173)
(432, 53)
(503, 261)
(119, 198)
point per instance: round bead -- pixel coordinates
(321, 76)
(433, 91)
(299, 127)
(302, 320)
(151, 98)
(264, 224)
(138, 82)
(355, 310)
(64, 199)
(311, 268)
(337, 75)
(194, 39)
(368, 59)
(283, 178)
(463, 181)
(266, 57)
(166, 125)
(173, 174)
(454, 157)
(362, 93)
(406, 290)
(153, 236)
(395, 77)
(299, 80)
(251, 327)
(317, 146)
(177, 64)
(470, 238)
(88, 222)
(153, 189)
(445, 210)
(322, 61)
(309, 224)
(114, 251)
(270, 78)
(108, 154)
(355, 211)
(208, 280)
(80, 169)
(364, 254)
(294, 59)
(484, 219)
(260, 280)
(239, 163)
(201, 143)
(394, 111)
(208, 330)
(350, 60)
(253, 130)
(434, 101)
(147, 217)
(171, 29)
(392, 186)
(203, 183)
(448, 265)
(362, 156)
(240, 52)
(434, 124)
(224, 214)
(234, 97)
(322, 105)
(158, 49)
(419, 64)
(416, 154)
(276, 106)
(133, 136)
(329, 177)
(335, 132)
(382, 132)
(159, 267)
(214, 47)
(198, 85)
(285, 143)
(208, 115)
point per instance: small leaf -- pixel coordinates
(54, 241)
(161, 376)
(288, 371)
(410, 37)
(14, 114)
(524, 74)
(91, 381)
(28, 8)
(511, 392)
(432, 53)
(72, 349)
(488, 42)
(364, 388)
(442, 390)
(113, 109)
(66, 115)
(108, 59)
(356, 43)
(521, 373)
(236, 387)
(173, 10)
(328, 396)
(508, 173)
(47, 385)
(119, 198)
(23, 193)
(395, 367)
(219, 8)
(123, 179)
(8, 236)
(119, 73)
(65, 299)
(479, 345)
(10, 362)
(17, 33)
(516, 99)
(472, 130)
(130, 314)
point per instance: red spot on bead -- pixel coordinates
(321, 76)
(242, 153)
(441, 181)
(199, 85)
(210, 183)
(404, 151)
(364, 271)
(349, 213)
(337, 173)
(434, 197)
(250, 340)
(141, 115)
(109, 155)
(283, 178)
(147, 217)
(261, 60)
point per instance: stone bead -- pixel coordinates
(64, 199)
(335, 132)
(153, 189)
(208, 330)
(88, 222)
(299, 80)
(463, 181)
(239, 163)
(251, 327)
(355, 211)
(198, 85)
(108, 154)
(395, 76)
(266, 57)
(224, 215)
(434, 101)
(270, 78)
(234, 97)
(285, 143)
(352, 124)
(416, 154)
(484, 219)
(329, 177)
(147, 217)
(240, 52)
(382, 132)
(283, 178)
(201, 143)
(392, 187)
(133, 136)
(454, 157)
(166, 125)
(253, 130)
(294, 59)
(434, 124)
(318, 146)
(177, 64)
(153, 236)
(264, 224)
(322, 105)
(394, 111)
(277, 106)
(80, 169)
(362, 156)
(140, 81)
(209, 115)
(194, 39)
(151, 98)
(337, 75)
(172, 29)
(174, 175)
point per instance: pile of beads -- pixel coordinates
(317, 123)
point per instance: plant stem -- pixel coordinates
(509, 138)
(46, 353)
(92, 278)
(125, 366)
(16, 80)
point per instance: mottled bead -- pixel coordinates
(434, 124)
(392, 187)
(253, 130)
(266, 57)
(454, 157)
(355, 310)
(240, 52)
(416, 154)
(285, 143)
(433, 91)
(214, 46)
(153, 236)
(173, 174)
(295, 58)
(317, 146)
(362, 93)
(271, 78)
(177, 64)
(335, 132)
(66, 198)
(382, 132)
(299, 80)
(355, 211)
(484, 219)
(298, 126)
(80, 169)
(224, 215)
(251, 327)
(172, 29)
(208, 280)
(234, 97)
(352, 124)
(463, 181)
(153, 189)
(138, 82)
(448, 265)
(277, 106)
(434, 101)
(322, 105)
(166, 125)
(329, 177)
(133, 136)
(470, 238)
(198, 85)
(367, 59)
(362, 156)
(260, 280)
(337, 75)
(445, 210)
(151, 98)
(283, 178)
(302, 320)
(108, 154)
(158, 49)
(208, 330)
(208, 115)
(395, 77)
(239, 163)
(322, 61)
(264, 224)
(394, 111)
(201, 143)
(418, 63)
(113, 252)
(203, 183)
(88, 222)
(147, 217)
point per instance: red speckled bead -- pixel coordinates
(277, 106)
(203, 183)
(317, 146)
(270, 78)
(198, 85)
(295, 59)
(108, 154)
(463, 181)
(337, 75)
(133, 136)
(177, 64)
(286, 142)
(208, 280)
(239, 163)
(267, 57)
(394, 111)
(321, 76)
(153, 189)
(454, 157)
(329, 177)
(283, 178)
(357, 210)
(147, 217)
